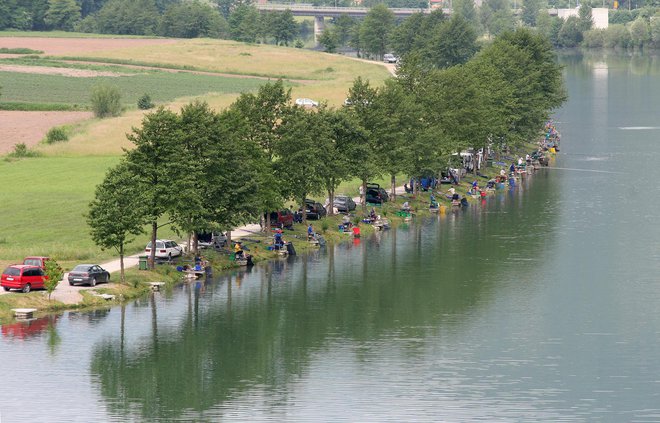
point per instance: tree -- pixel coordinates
(570, 34)
(227, 7)
(244, 24)
(496, 16)
(376, 30)
(466, 9)
(283, 27)
(454, 42)
(160, 165)
(527, 63)
(655, 31)
(54, 275)
(136, 17)
(328, 40)
(62, 14)
(343, 26)
(530, 11)
(106, 101)
(586, 21)
(343, 152)
(302, 153)
(261, 116)
(640, 32)
(361, 97)
(117, 212)
(191, 20)
(406, 37)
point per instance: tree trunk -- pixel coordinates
(393, 181)
(195, 243)
(304, 210)
(122, 277)
(152, 253)
(331, 202)
(268, 223)
(229, 240)
(363, 195)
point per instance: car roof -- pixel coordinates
(86, 264)
(22, 266)
(36, 257)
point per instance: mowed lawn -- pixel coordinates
(161, 86)
(43, 204)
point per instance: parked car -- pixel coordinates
(36, 261)
(89, 274)
(23, 277)
(314, 210)
(344, 203)
(307, 102)
(211, 239)
(376, 194)
(282, 218)
(165, 248)
(390, 58)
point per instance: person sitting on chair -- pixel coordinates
(238, 250)
(405, 207)
(278, 241)
(310, 232)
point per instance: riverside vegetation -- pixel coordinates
(262, 151)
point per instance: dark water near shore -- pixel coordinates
(539, 305)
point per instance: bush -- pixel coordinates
(145, 103)
(21, 150)
(56, 134)
(106, 101)
(299, 43)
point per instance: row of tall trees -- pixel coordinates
(203, 170)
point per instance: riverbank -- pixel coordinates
(255, 242)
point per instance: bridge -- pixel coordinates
(321, 12)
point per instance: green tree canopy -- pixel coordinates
(376, 29)
(117, 212)
(62, 14)
(191, 20)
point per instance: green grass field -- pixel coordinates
(45, 198)
(43, 207)
(161, 86)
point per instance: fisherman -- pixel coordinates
(238, 250)
(310, 232)
(278, 242)
(405, 207)
(346, 222)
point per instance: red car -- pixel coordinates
(281, 219)
(23, 277)
(36, 261)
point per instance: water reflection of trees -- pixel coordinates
(422, 279)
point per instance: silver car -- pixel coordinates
(344, 203)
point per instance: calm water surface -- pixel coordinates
(538, 305)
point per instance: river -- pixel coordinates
(538, 305)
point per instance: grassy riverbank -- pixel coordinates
(257, 245)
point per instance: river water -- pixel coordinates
(538, 305)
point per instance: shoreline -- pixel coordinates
(138, 281)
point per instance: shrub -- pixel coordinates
(106, 101)
(299, 43)
(145, 103)
(324, 226)
(56, 134)
(21, 150)
(19, 51)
